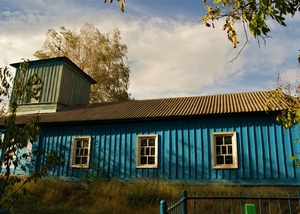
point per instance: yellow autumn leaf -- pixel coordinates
(122, 5)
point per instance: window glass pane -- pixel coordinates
(151, 142)
(219, 140)
(220, 159)
(224, 150)
(218, 150)
(85, 143)
(78, 144)
(152, 151)
(84, 160)
(142, 151)
(86, 152)
(77, 152)
(81, 152)
(143, 142)
(147, 150)
(143, 160)
(77, 160)
(229, 150)
(227, 140)
(151, 160)
(229, 159)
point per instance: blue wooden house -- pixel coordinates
(227, 138)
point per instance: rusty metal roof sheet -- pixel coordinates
(164, 107)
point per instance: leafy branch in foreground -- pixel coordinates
(16, 138)
(252, 14)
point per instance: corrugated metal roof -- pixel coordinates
(164, 107)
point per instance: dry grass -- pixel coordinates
(142, 196)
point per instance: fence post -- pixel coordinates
(184, 203)
(250, 209)
(163, 207)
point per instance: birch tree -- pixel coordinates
(102, 56)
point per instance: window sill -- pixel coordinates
(146, 167)
(225, 167)
(79, 166)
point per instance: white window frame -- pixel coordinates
(138, 151)
(74, 155)
(28, 152)
(234, 152)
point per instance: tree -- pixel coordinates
(16, 138)
(99, 55)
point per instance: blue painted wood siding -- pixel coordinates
(30, 168)
(185, 148)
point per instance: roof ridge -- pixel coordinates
(245, 102)
(195, 96)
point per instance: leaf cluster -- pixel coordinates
(6, 79)
(251, 13)
(288, 94)
(290, 115)
(121, 4)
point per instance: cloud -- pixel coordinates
(168, 55)
(174, 56)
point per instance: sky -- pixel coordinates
(170, 53)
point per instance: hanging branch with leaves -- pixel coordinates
(252, 14)
(14, 141)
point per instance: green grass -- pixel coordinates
(142, 196)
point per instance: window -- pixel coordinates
(224, 150)
(80, 152)
(28, 152)
(17, 152)
(146, 151)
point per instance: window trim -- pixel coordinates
(234, 165)
(28, 152)
(73, 153)
(138, 164)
